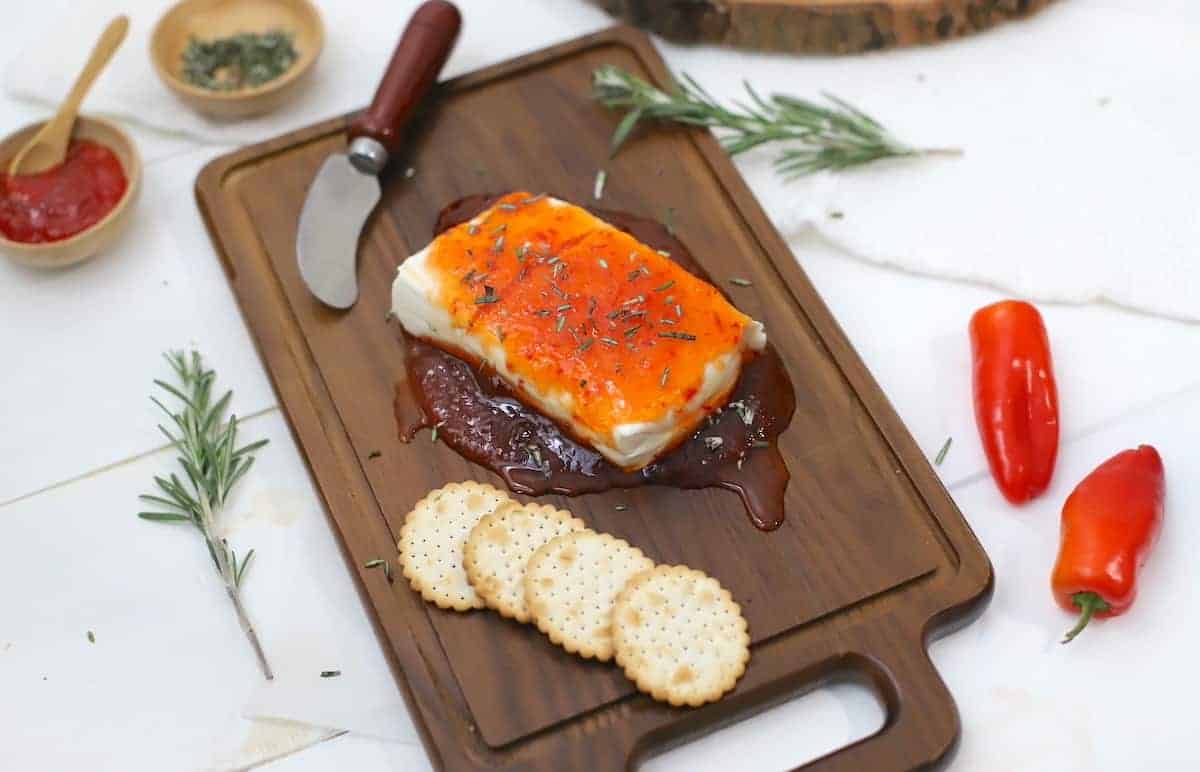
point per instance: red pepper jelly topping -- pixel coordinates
(58, 203)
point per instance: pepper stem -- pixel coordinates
(1089, 603)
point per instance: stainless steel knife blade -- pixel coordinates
(346, 188)
(339, 202)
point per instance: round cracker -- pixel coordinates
(432, 539)
(571, 583)
(679, 635)
(501, 544)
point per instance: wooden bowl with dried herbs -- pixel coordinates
(236, 58)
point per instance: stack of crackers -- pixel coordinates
(675, 631)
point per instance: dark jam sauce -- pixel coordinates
(478, 416)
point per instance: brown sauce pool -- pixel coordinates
(479, 417)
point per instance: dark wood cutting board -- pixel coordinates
(872, 558)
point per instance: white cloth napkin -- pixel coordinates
(1078, 128)
(359, 39)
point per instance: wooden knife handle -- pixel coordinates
(416, 62)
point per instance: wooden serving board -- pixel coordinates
(818, 26)
(872, 558)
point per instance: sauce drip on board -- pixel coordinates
(479, 417)
(58, 203)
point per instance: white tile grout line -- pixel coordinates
(1134, 410)
(123, 462)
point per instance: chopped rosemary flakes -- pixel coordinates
(632, 331)
(665, 320)
(603, 263)
(507, 208)
(91, 636)
(498, 247)
(473, 229)
(522, 251)
(941, 456)
(374, 454)
(678, 310)
(558, 326)
(558, 291)
(592, 303)
(381, 563)
(485, 299)
(609, 342)
(598, 188)
(563, 307)
(582, 348)
(553, 260)
(665, 287)
(545, 312)
(330, 673)
(635, 274)
(500, 228)
(466, 279)
(739, 281)
(836, 215)
(666, 375)
(433, 435)
(533, 199)
(613, 314)
(677, 335)
(633, 301)
(558, 269)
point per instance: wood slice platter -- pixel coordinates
(817, 26)
(873, 556)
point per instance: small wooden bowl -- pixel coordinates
(58, 254)
(209, 19)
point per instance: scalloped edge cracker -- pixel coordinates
(679, 635)
(570, 586)
(432, 539)
(500, 546)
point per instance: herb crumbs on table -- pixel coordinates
(330, 673)
(941, 456)
(598, 188)
(374, 454)
(739, 281)
(621, 507)
(91, 636)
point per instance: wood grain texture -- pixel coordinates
(873, 556)
(818, 26)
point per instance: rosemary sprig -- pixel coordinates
(212, 463)
(834, 136)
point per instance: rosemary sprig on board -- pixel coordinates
(212, 463)
(834, 136)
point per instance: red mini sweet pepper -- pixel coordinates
(1016, 399)
(1109, 524)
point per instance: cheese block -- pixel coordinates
(622, 347)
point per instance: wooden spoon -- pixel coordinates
(49, 146)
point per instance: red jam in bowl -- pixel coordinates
(58, 203)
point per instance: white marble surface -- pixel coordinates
(168, 682)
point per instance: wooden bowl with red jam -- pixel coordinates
(67, 214)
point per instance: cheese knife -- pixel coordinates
(346, 188)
